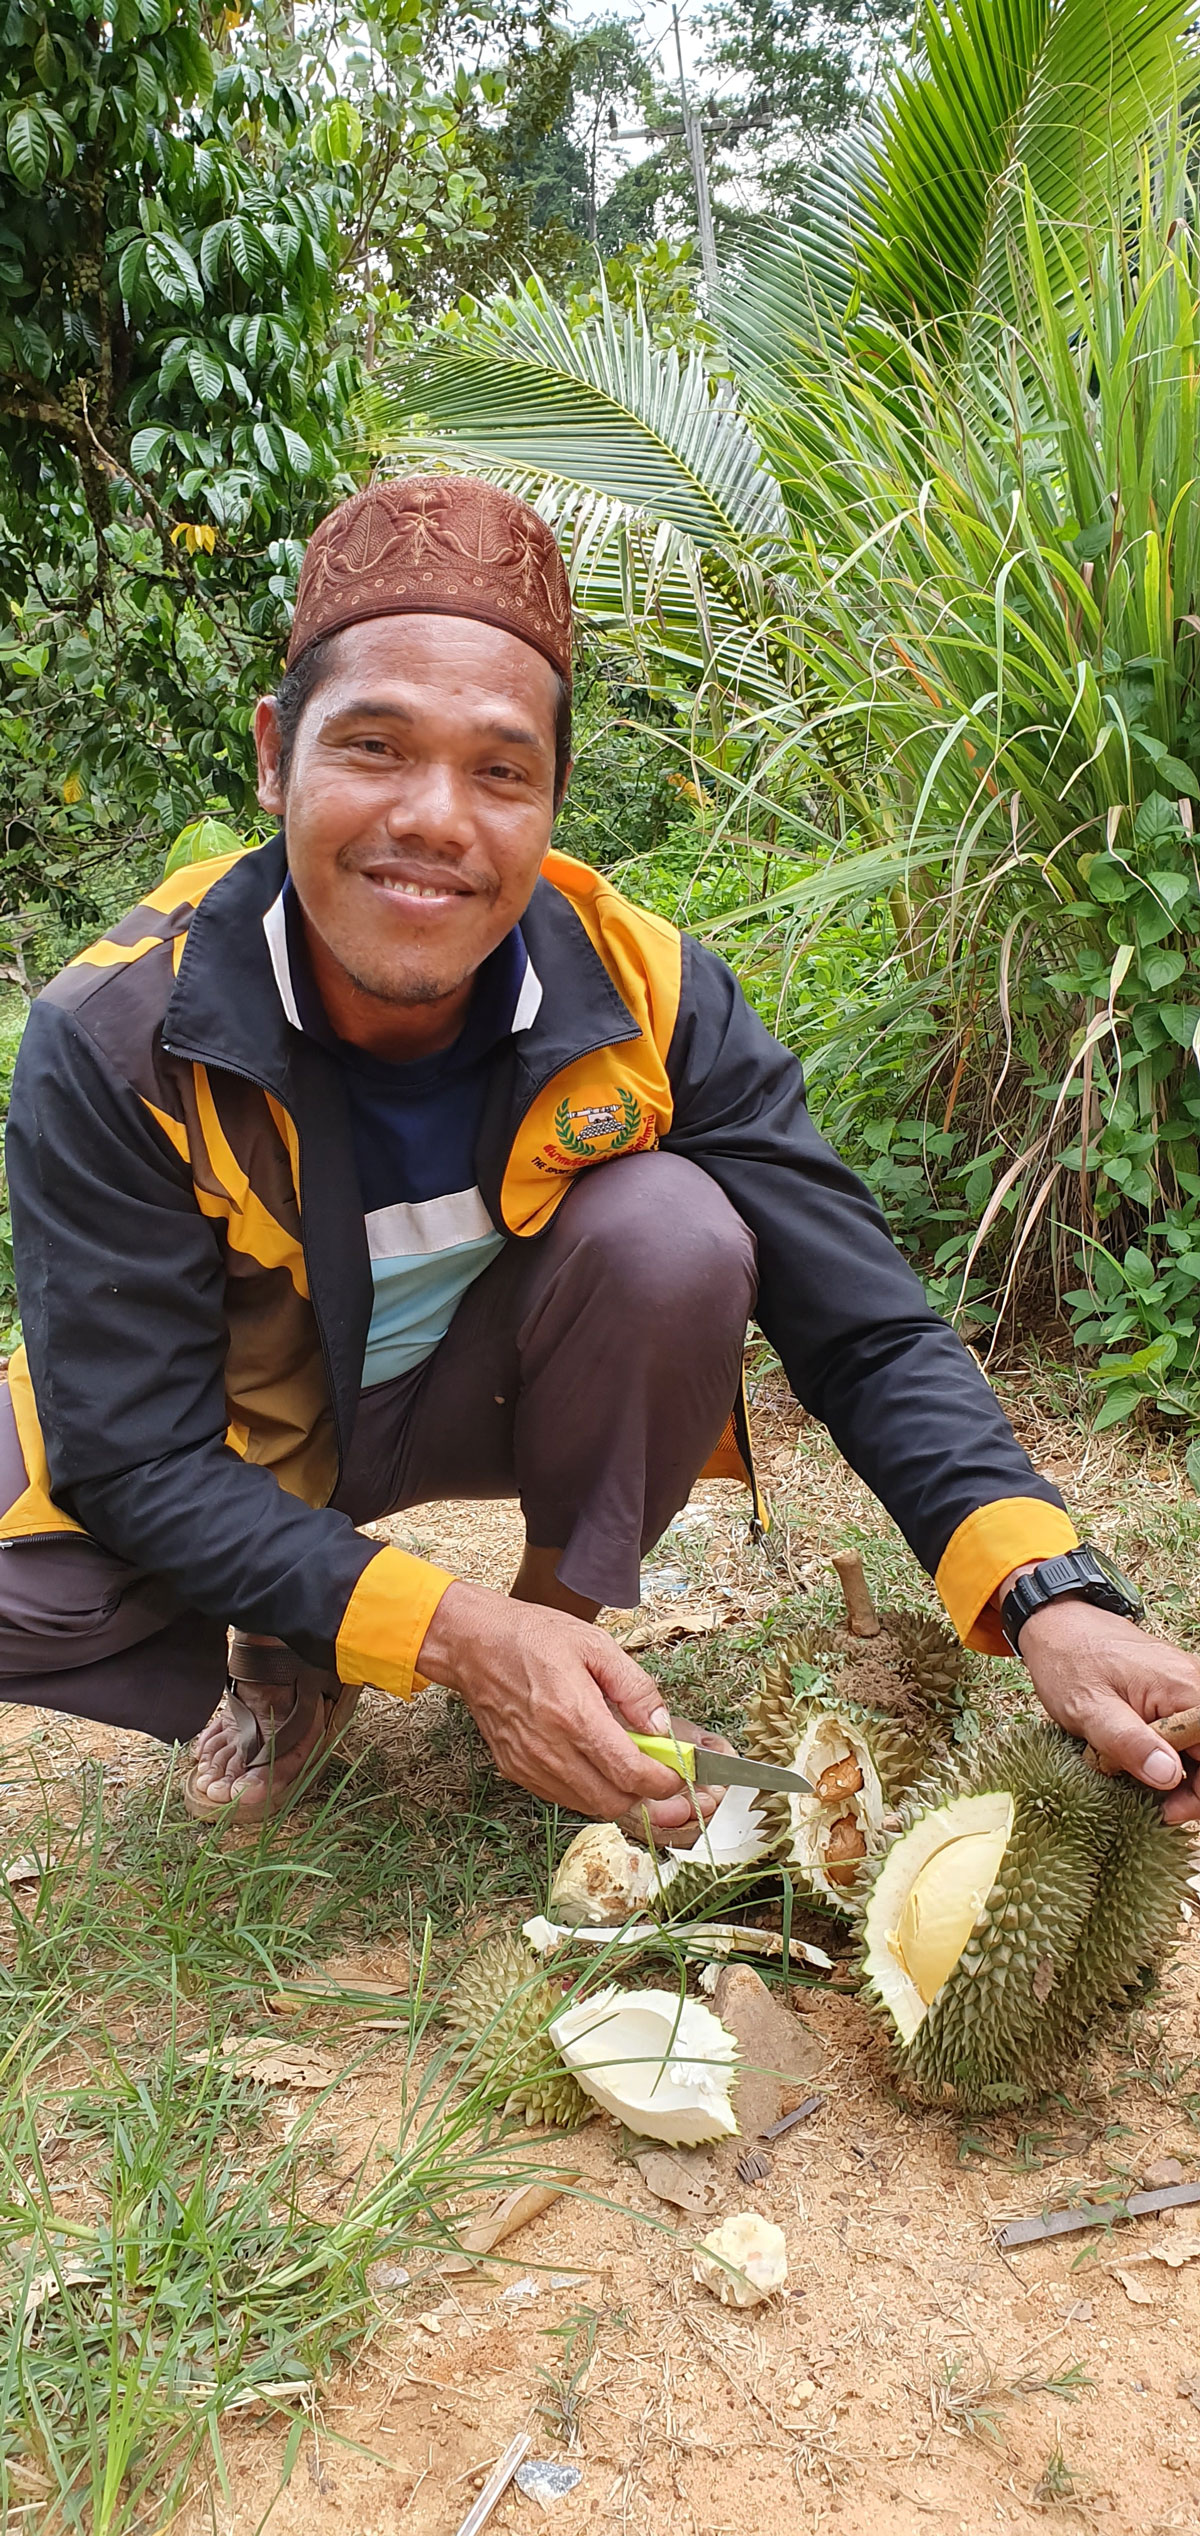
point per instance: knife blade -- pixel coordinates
(719, 1769)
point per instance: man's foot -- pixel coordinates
(279, 1721)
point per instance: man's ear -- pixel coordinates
(268, 742)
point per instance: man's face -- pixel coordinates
(419, 801)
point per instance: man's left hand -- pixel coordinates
(1101, 1677)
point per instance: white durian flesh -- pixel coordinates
(928, 1900)
(662, 2065)
(743, 2261)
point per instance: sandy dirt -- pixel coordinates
(913, 2377)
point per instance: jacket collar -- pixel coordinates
(225, 1007)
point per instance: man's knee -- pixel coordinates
(661, 1230)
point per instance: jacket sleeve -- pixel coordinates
(121, 1284)
(860, 1345)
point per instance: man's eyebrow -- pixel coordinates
(379, 709)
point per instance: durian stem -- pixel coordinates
(1179, 1731)
(861, 1618)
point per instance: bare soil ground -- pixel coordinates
(913, 2378)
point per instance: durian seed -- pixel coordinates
(843, 1849)
(842, 1778)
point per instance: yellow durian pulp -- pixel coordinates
(942, 1907)
(928, 1897)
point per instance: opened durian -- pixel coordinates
(602, 1879)
(1013, 1909)
(502, 2008)
(860, 1762)
(661, 2064)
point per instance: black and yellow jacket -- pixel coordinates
(194, 1282)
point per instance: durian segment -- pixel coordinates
(601, 1880)
(707, 1876)
(1085, 1898)
(502, 2007)
(660, 2064)
(928, 1900)
(862, 1762)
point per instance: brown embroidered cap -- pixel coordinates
(435, 545)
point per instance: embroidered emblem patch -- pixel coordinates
(593, 1131)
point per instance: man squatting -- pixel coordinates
(403, 1159)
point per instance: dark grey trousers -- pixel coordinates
(588, 1373)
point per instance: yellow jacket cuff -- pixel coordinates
(384, 1623)
(984, 1550)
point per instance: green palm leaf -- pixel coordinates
(604, 410)
(919, 214)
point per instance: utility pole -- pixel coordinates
(693, 133)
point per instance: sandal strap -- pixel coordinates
(274, 1666)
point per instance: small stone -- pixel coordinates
(544, 2481)
(1164, 2171)
(518, 2291)
(390, 2276)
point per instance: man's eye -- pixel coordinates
(511, 774)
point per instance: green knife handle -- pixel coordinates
(674, 1756)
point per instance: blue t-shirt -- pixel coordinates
(414, 1128)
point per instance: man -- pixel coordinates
(402, 1159)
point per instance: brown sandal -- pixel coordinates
(275, 1667)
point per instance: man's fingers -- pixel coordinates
(631, 1692)
(1115, 1730)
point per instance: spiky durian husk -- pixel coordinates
(501, 2006)
(701, 1889)
(1086, 1898)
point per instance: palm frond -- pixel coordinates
(916, 218)
(603, 410)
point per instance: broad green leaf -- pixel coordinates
(147, 446)
(1119, 1404)
(341, 132)
(207, 375)
(27, 147)
(205, 841)
(172, 271)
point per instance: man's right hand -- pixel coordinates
(542, 1688)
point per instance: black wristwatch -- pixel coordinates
(1085, 1573)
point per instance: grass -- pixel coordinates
(164, 2259)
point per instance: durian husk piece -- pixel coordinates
(862, 1763)
(502, 2006)
(1021, 1900)
(661, 2064)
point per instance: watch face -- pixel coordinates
(1116, 1576)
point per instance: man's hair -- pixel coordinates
(298, 686)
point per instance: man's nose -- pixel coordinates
(434, 797)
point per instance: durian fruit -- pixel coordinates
(909, 1665)
(660, 2064)
(502, 2007)
(1017, 1904)
(861, 1764)
(600, 1880)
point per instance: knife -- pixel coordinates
(718, 1769)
